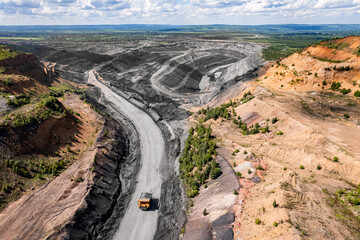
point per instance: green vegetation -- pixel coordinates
(336, 159)
(79, 179)
(257, 221)
(346, 115)
(335, 86)
(205, 212)
(275, 205)
(350, 197)
(334, 45)
(342, 68)
(302, 167)
(274, 120)
(19, 100)
(8, 82)
(345, 91)
(59, 91)
(45, 109)
(328, 60)
(345, 204)
(283, 45)
(6, 53)
(215, 113)
(197, 161)
(275, 224)
(252, 129)
(236, 192)
(34, 167)
(357, 93)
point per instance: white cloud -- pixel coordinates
(176, 11)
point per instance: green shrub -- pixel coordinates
(234, 164)
(357, 93)
(50, 102)
(274, 120)
(19, 100)
(285, 168)
(275, 205)
(205, 212)
(318, 167)
(302, 167)
(345, 91)
(215, 172)
(9, 82)
(346, 115)
(280, 133)
(336, 159)
(335, 86)
(79, 179)
(238, 174)
(275, 224)
(257, 221)
(236, 192)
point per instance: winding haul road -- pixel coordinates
(137, 224)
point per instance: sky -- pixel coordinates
(178, 12)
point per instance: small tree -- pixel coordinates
(205, 212)
(275, 204)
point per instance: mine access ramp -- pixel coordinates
(145, 201)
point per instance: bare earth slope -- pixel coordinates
(291, 178)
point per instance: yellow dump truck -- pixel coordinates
(145, 201)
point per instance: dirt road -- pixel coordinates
(137, 224)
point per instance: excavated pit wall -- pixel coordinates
(116, 166)
(116, 190)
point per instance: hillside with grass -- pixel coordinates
(44, 124)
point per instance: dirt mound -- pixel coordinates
(317, 67)
(24, 72)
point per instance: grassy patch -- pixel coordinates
(345, 204)
(6, 53)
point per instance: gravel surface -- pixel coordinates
(137, 224)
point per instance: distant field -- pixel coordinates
(283, 40)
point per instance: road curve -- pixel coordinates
(137, 224)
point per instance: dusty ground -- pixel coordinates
(307, 70)
(308, 139)
(41, 211)
(288, 177)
